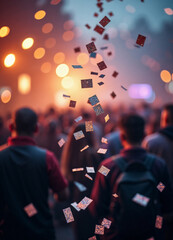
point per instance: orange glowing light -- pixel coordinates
(67, 82)
(47, 28)
(9, 60)
(4, 31)
(165, 76)
(40, 15)
(68, 36)
(24, 83)
(82, 58)
(55, 2)
(62, 70)
(98, 58)
(5, 95)
(27, 43)
(46, 67)
(68, 25)
(59, 57)
(50, 42)
(39, 53)
(60, 100)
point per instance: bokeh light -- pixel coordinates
(27, 43)
(68, 25)
(170, 87)
(5, 95)
(130, 9)
(46, 67)
(60, 101)
(82, 58)
(40, 15)
(62, 70)
(59, 57)
(67, 82)
(9, 60)
(165, 76)
(98, 58)
(50, 42)
(68, 36)
(47, 28)
(39, 53)
(140, 91)
(24, 83)
(4, 31)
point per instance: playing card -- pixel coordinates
(77, 66)
(107, 118)
(102, 150)
(106, 37)
(91, 47)
(104, 21)
(104, 170)
(86, 83)
(115, 74)
(99, 29)
(93, 100)
(89, 126)
(77, 169)
(104, 140)
(72, 104)
(94, 73)
(90, 169)
(68, 215)
(77, 49)
(30, 210)
(161, 187)
(101, 65)
(75, 206)
(84, 203)
(61, 142)
(159, 221)
(78, 119)
(141, 40)
(100, 83)
(98, 109)
(106, 223)
(140, 199)
(99, 229)
(78, 135)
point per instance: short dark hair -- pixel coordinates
(133, 127)
(169, 109)
(25, 120)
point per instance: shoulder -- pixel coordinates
(154, 138)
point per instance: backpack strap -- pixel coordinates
(150, 158)
(121, 162)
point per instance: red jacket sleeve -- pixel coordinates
(56, 180)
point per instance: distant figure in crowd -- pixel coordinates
(126, 193)
(26, 173)
(4, 132)
(161, 143)
(73, 157)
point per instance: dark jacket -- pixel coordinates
(26, 172)
(105, 186)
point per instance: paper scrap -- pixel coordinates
(61, 142)
(68, 215)
(86, 147)
(99, 229)
(30, 210)
(80, 186)
(104, 170)
(78, 135)
(106, 223)
(84, 203)
(140, 199)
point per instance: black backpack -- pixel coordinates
(137, 205)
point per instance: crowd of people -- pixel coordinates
(129, 185)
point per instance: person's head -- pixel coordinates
(167, 116)
(131, 130)
(71, 155)
(24, 122)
